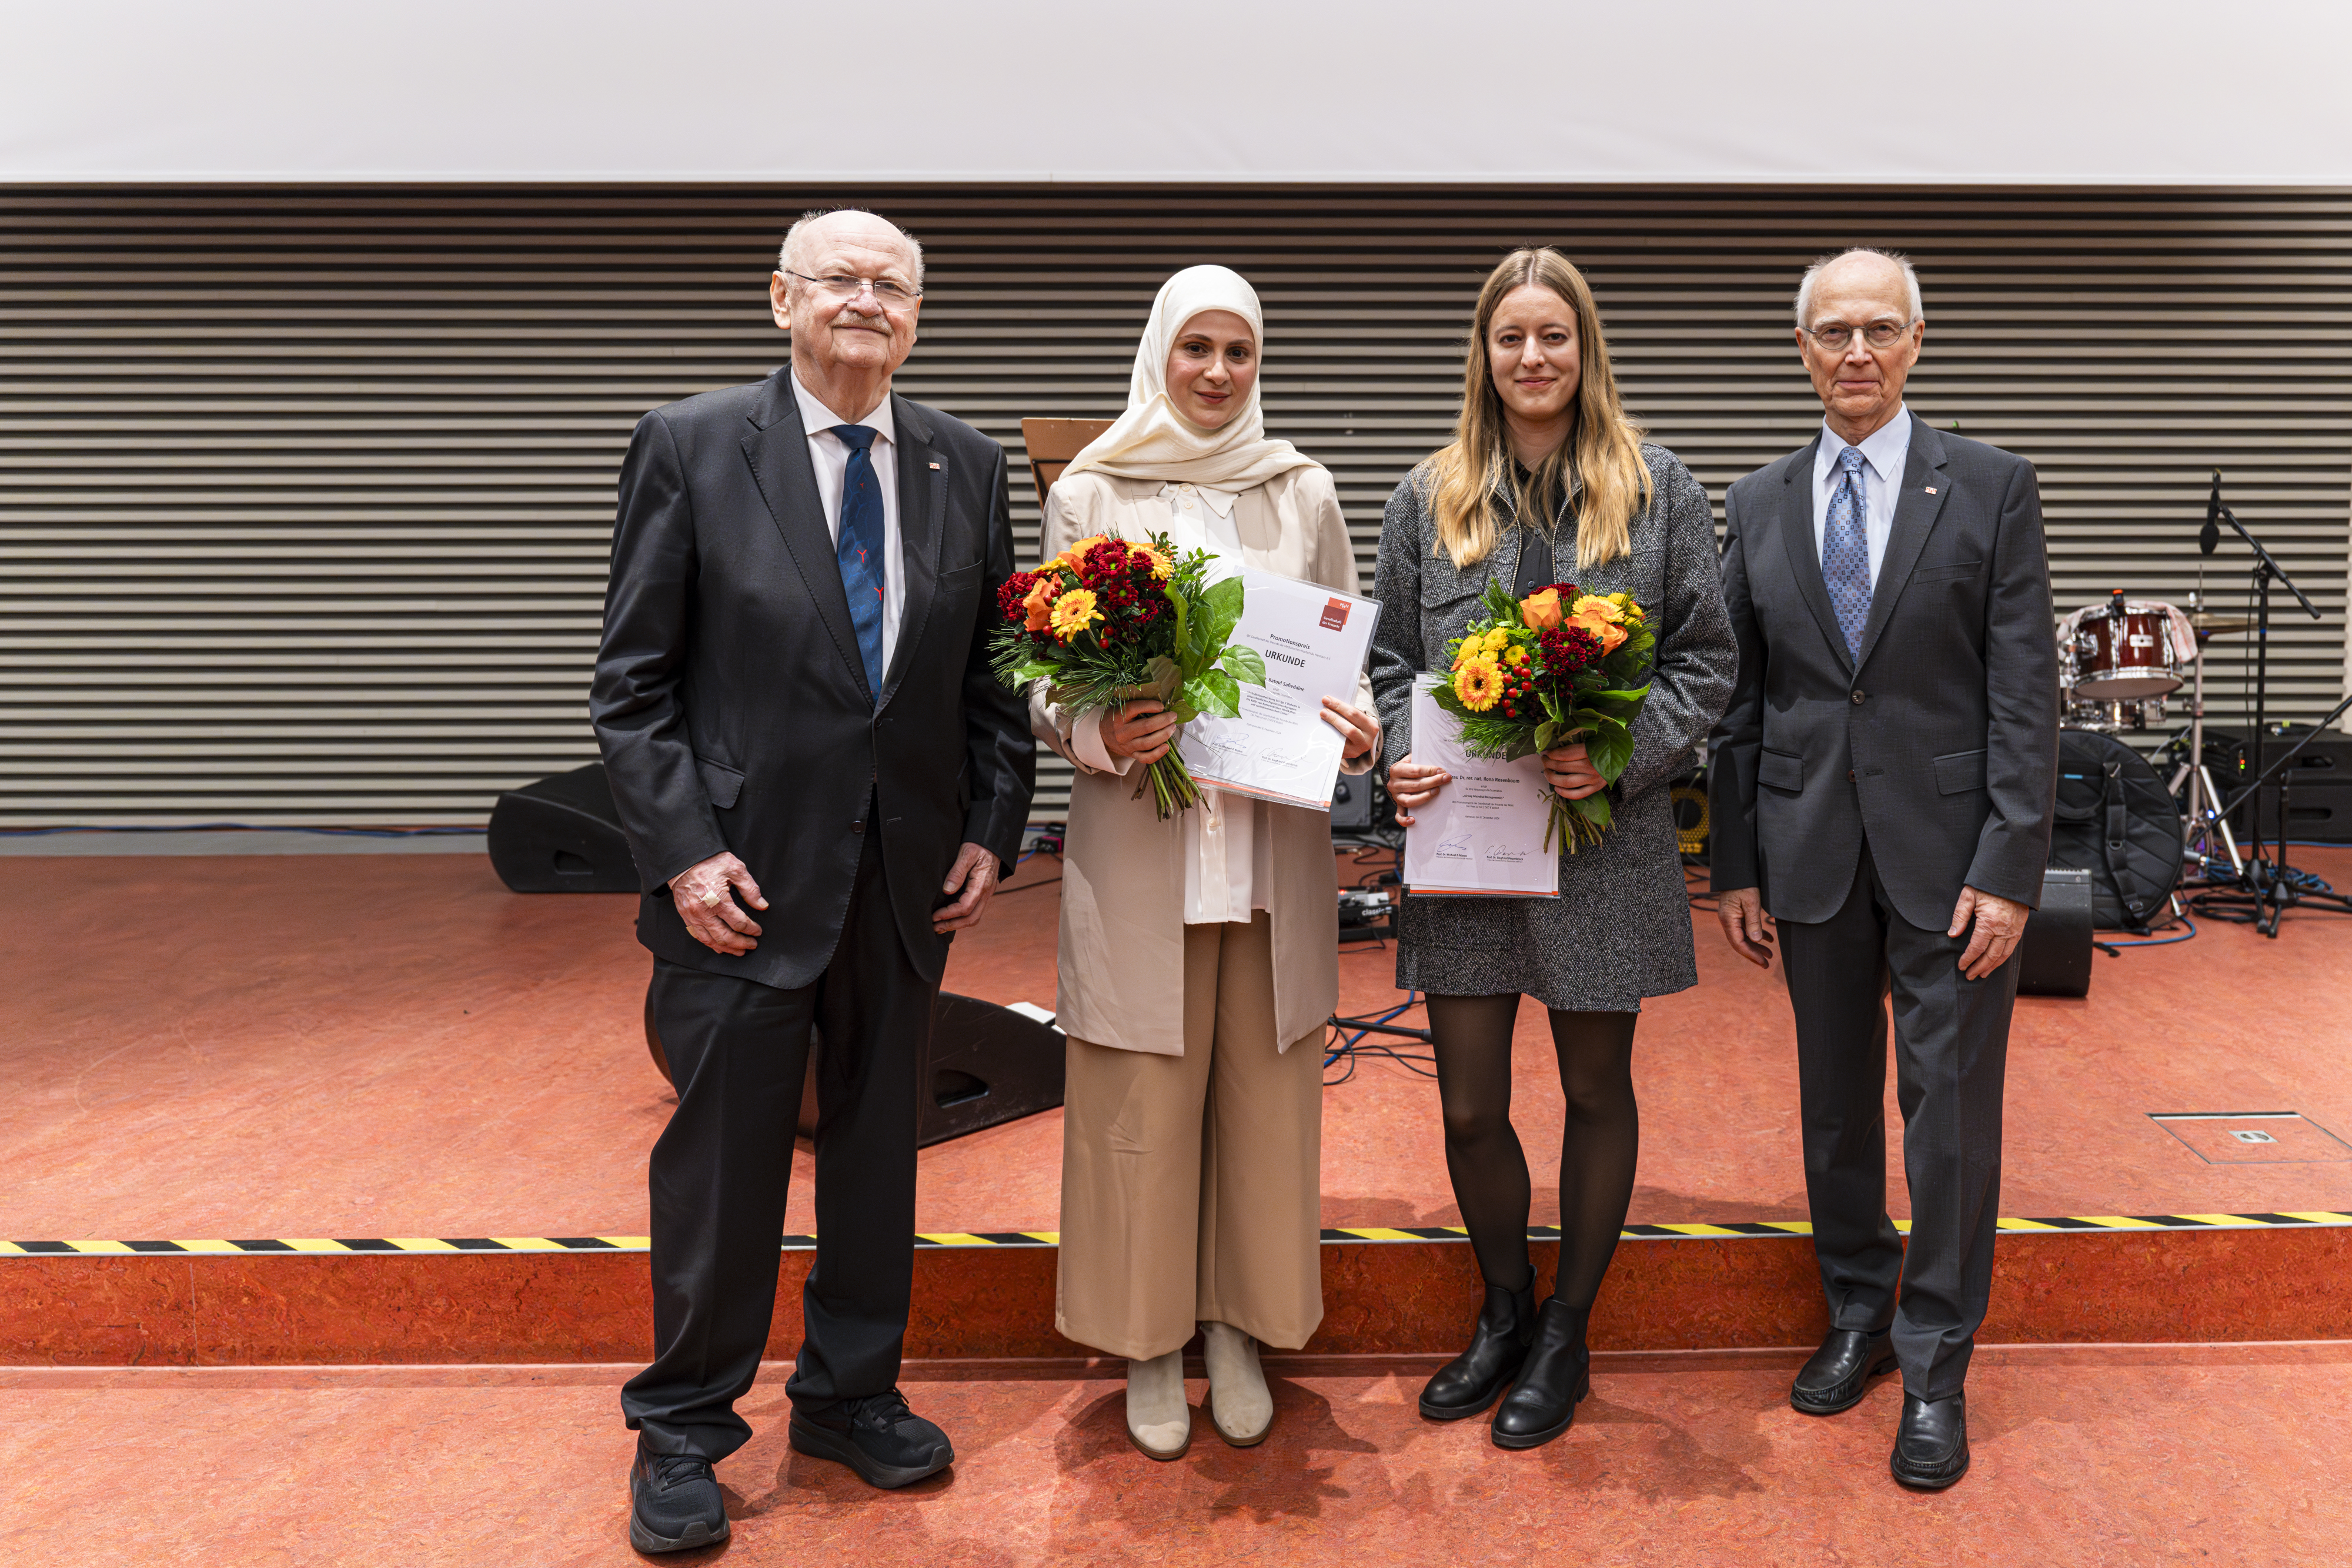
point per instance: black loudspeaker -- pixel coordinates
(2318, 783)
(562, 835)
(1351, 803)
(987, 1064)
(2053, 957)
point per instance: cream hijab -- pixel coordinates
(1152, 440)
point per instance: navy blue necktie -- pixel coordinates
(859, 547)
(1846, 552)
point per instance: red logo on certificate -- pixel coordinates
(1335, 614)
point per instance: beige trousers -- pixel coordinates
(1191, 1184)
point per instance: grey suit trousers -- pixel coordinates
(1951, 1038)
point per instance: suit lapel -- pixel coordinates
(1797, 537)
(777, 449)
(922, 518)
(1914, 517)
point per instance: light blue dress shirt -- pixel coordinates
(1884, 453)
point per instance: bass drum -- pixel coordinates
(2116, 819)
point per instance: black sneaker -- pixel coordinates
(877, 1436)
(674, 1503)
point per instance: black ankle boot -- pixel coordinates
(1558, 1373)
(1471, 1381)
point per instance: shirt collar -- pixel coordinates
(815, 418)
(1883, 449)
(1218, 501)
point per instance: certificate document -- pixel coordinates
(1313, 640)
(1483, 834)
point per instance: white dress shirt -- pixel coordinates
(1883, 452)
(830, 455)
(1228, 851)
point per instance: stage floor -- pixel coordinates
(395, 1046)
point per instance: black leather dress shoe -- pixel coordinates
(1931, 1446)
(673, 1503)
(1556, 1375)
(1476, 1378)
(1839, 1372)
(877, 1436)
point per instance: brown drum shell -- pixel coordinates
(2118, 657)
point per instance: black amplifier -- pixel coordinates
(2318, 782)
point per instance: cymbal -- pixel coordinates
(2208, 624)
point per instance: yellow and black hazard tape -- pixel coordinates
(316, 1246)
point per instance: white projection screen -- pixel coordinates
(1992, 93)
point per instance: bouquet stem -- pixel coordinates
(1572, 825)
(1171, 785)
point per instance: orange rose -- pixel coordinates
(1540, 609)
(1609, 633)
(1040, 602)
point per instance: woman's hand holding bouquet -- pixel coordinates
(1539, 672)
(1108, 620)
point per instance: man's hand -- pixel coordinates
(1745, 924)
(975, 873)
(705, 892)
(1999, 923)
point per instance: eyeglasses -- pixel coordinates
(1837, 335)
(888, 294)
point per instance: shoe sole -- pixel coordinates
(809, 1438)
(1538, 1439)
(1929, 1483)
(646, 1541)
(1876, 1369)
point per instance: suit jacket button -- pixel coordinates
(857, 827)
(1857, 698)
(1849, 775)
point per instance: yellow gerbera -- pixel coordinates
(1601, 608)
(1516, 656)
(1496, 638)
(1161, 567)
(1074, 613)
(1479, 684)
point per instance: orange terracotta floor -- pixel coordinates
(393, 1045)
(2083, 1456)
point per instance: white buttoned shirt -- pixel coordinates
(830, 456)
(1884, 453)
(1228, 853)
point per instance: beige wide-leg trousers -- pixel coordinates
(1191, 1184)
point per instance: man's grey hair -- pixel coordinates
(788, 253)
(1812, 273)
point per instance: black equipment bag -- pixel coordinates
(2116, 820)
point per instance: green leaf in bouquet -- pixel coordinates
(1547, 734)
(1165, 677)
(1617, 705)
(1244, 664)
(1500, 605)
(1594, 809)
(1610, 743)
(1221, 607)
(1214, 691)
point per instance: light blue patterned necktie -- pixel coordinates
(1846, 552)
(859, 548)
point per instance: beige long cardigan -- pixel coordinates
(1121, 970)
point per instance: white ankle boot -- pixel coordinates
(1238, 1401)
(1158, 1421)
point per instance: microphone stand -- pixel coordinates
(2272, 891)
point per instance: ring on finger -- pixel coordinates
(710, 900)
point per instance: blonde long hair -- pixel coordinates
(1601, 459)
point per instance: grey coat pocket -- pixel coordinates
(1959, 772)
(1953, 568)
(723, 782)
(1780, 771)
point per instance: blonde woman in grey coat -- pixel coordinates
(1546, 480)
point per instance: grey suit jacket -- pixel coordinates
(1941, 743)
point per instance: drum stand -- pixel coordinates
(2203, 821)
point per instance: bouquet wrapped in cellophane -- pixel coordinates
(1107, 620)
(1542, 672)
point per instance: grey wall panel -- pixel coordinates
(305, 494)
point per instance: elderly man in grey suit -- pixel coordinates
(1880, 793)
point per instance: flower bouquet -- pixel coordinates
(1107, 620)
(1540, 672)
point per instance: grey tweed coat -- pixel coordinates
(1620, 929)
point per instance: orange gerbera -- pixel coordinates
(1074, 613)
(1040, 602)
(1163, 569)
(1599, 609)
(1540, 609)
(1479, 684)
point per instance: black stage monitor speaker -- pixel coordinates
(562, 835)
(988, 1064)
(2053, 957)
(1351, 803)
(2318, 783)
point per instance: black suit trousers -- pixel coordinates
(1951, 1038)
(738, 1053)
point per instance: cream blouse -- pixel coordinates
(1228, 867)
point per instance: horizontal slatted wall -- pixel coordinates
(305, 494)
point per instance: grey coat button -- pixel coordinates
(1857, 698)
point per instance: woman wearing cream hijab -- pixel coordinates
(1200, 954)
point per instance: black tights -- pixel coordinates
(1597, 1148)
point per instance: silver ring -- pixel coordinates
(710, 900)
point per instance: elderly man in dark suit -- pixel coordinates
(821, 780)
(1880, 793)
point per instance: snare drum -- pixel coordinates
(2122, 655)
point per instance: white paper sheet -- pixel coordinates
(1313, 640)
(1483, 834)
